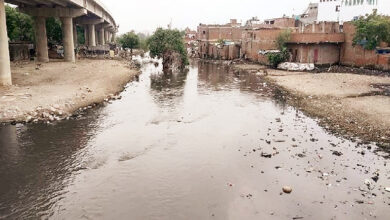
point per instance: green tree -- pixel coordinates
(54, 30)
(166, 40)
(282, 39)
(129, 40)
(371, 30)
(19, 25)
(281, 43)
(80, 35)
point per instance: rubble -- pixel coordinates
(287, 189)
(296, 66)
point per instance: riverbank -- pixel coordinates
(349, 104)
(55, 90)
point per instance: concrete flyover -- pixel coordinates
(98, 23)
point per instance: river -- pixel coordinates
(206, 143)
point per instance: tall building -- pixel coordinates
(329, 10)
(348, 10)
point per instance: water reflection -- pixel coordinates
(36, 162)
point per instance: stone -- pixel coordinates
(387, 189)
(266, 155)
(287, 189)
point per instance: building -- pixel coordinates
(310, 15)
(210, 38)
(317, 43)
(329, 10)
(348, 10)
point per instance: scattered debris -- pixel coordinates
(287, 189)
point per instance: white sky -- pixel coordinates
(147, 15)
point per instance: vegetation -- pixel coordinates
(143, 41)
(282, 39)
(371, 30)
(54, 30)
(165, 41)
(80, 35)
(281, 43)
(19, 25)
(221, 41)
(129, 40)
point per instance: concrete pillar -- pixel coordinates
(5, 65)
(41, 39)
(86, 35)
(113, 38)
(91, 35)
(101, 37)
(67, 32)
(97, 36)
(106, 36)
(75, 40)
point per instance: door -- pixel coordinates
(315, 55)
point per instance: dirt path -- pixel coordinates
(354, 105)
(55, 90)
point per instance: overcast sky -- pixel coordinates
(147, 15)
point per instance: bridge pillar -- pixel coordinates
(41, 39)
(106, 36)
(113, 38)
(67, 30)
(101, 36)
(5, 65)
(91, 35)
(109, 37)
(86, 43)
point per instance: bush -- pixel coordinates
(129, 40)
(371, 30)
(19, 25)
(276, 58)
(166, 40)
(281, 43)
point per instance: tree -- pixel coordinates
(19, 25)
(371, 30)
(281, 43)
(129, 40)
(54, 30)
(164, 42)
(80, 35)
(143, 41)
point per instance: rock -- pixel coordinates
(266, 155)
(28, 119)
(387, 189)
(367, 182)
(287, 189)
(375, 178)
(337, 153)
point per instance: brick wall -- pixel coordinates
(315, 53)
(255, 40)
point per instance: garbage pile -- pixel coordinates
(296, 66)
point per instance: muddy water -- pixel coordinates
(203, 144)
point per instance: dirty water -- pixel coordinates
(202, 144)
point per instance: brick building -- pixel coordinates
(210, 36)
(358, 56)
(317, 43)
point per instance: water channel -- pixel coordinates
(206, 143)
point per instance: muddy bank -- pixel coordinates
(56, 90)
(357, 106)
